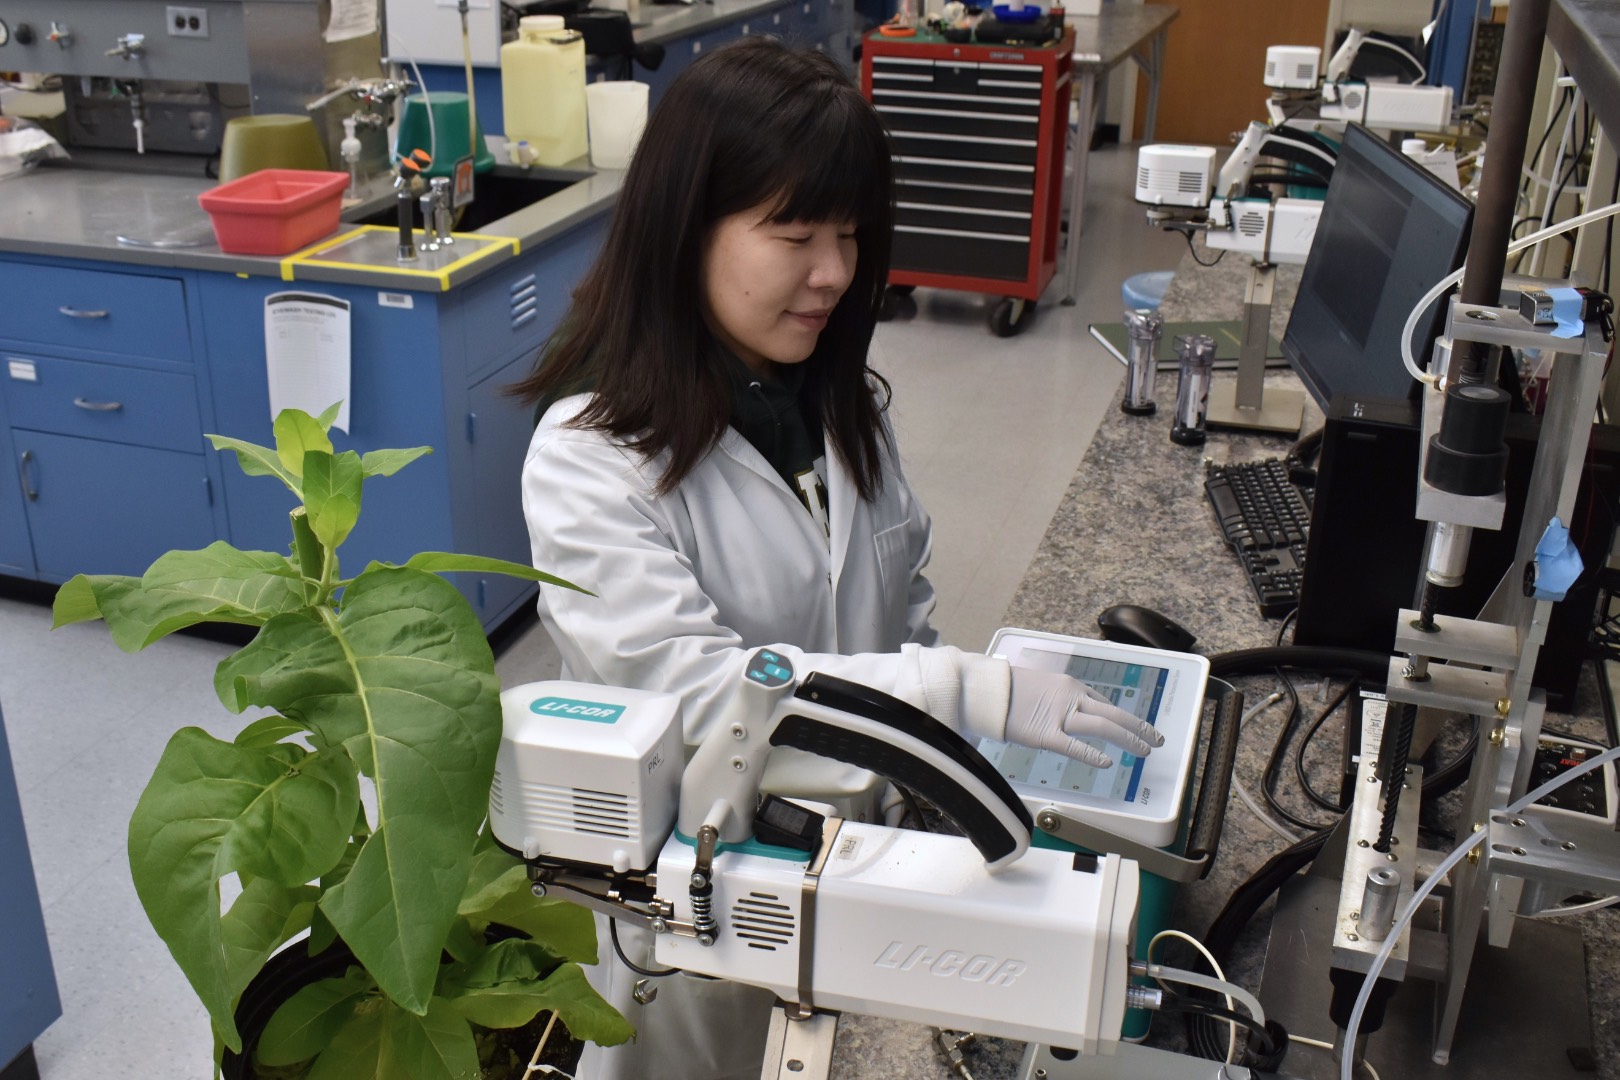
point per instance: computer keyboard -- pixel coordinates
(1265, 518)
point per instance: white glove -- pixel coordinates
(1054, 712)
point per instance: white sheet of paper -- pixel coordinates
(351, 19)
(306, 353)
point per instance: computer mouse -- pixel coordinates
(1131, 624)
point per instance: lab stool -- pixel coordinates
(1145, 290)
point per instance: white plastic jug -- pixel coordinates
(615, 113)
(543, 89)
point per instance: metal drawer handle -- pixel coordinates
(98, 406)
(81, 313)
(22, 472)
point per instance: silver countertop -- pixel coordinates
(151, 220)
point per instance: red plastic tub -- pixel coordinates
(275, 211)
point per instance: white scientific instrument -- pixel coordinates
(978, 931)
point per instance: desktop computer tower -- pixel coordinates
(1364, 555)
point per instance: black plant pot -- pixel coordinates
(282, 976)
(292, 969)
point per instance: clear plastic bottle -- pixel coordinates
(543, 89)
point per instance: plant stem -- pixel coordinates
(311, 555)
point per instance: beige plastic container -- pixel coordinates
(543, 89)
(615, 112)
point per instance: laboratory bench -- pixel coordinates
(1134, 483)
(127, 335)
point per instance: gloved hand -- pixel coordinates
(1053, 711)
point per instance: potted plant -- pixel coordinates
(387, 676)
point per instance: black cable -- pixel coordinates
(613, 932)
(1279, 749)
(1606, 697)
(1205, 1034)
(1194, 250)
(1304, 744)
(1552, 122)
(1198, 1007)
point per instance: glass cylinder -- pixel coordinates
(1196, 353)
(1144, 328)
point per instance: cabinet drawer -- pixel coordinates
(130, 314)
(960, 251)
(103, 401)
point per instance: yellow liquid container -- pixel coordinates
(543, 89)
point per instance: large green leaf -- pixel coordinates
(403, 678)
(256, 460)
(213, 808)
(389, 462)
(381, 1041)
(264, 917)
(443, 562)
(505, 988)
(332, 494)
(298, 433)
(568, 930)
(181, 589)
(306, 1022)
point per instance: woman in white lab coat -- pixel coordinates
(714, 463)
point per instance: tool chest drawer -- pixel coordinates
(127, 314)
(960, 251)
(956, 77)
(110, 402)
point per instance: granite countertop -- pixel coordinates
(155, 220)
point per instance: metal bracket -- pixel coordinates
(805, 1007)
(1154, 860)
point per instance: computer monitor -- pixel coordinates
(1389, 230)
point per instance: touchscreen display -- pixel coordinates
(1136, 688)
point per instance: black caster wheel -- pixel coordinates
(896, 303)
(1011, 315)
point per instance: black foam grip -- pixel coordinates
(911, 722)
(892, 762)
(1220, 757)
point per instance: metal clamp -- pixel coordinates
(805, 1006)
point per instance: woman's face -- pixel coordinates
(769, 287)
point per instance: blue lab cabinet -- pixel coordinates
(28, 997)
(113, 374)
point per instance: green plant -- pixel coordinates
(387, 675)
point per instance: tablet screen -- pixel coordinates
(1137, 688)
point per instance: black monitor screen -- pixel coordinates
(1389, 230)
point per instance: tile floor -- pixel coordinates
(991, 432)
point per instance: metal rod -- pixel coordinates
(1517, 69)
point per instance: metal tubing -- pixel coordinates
(1448, 555)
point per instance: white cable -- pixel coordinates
(1423, 72)
(1243, 792)
(1571, 909)
(1451, 279)
(1298, 144)
(1303, 1041)
(1214, 965)
(1399, 926)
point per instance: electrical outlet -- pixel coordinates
(187, 21)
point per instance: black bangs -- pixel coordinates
(814, 149)
(836, 170)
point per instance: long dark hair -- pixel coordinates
(748, 124)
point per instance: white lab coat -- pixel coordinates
(687, 585)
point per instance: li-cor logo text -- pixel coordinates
(951, 963)
(597, 712)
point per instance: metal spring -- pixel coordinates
(703, 914)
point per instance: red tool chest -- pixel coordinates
(978, 135)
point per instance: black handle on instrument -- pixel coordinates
(976, 798)
(1215, 786)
